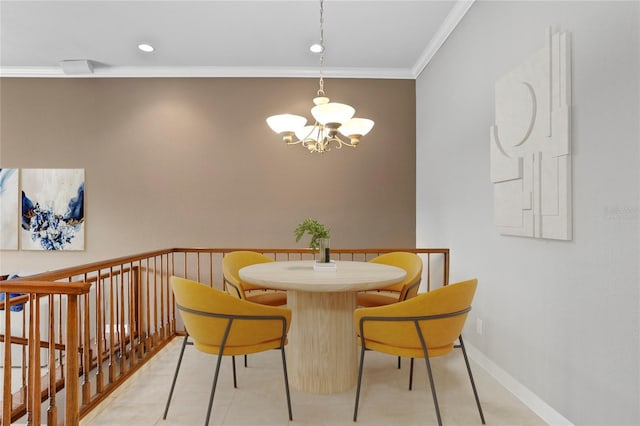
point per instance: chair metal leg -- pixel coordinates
(433, 390)
(411, 375)
(175, 377)
(355, 410)
(235, 382)
(473, 385)
(245, 361)
(425, 351)
(215, 376)
(213, 387)
(286, 382)
(399, 363)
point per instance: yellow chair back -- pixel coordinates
(440, 314)
(411, 263)
(231, 265)
(208, 312)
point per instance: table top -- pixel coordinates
(300, 275)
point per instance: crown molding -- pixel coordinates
(450, 23)
(195, 72)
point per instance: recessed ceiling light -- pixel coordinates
(316, 48)
(146, 47)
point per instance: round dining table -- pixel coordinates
(322, 349)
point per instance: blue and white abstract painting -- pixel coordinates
(9, 209)
(52, 209)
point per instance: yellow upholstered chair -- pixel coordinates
(425, 326)
(405, 289)
(231, 265)
(401, 291)
(221, 324)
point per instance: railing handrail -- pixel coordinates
(63, 273)
(92, 267)
(28, 285)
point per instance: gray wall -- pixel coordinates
(191, 162)
(560, 317)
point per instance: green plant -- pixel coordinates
(313, 228)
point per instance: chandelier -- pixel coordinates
(331, 118)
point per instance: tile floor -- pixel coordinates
(260, 397)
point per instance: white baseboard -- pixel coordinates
(530, 399)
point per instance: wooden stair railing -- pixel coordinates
(33, 398)
(118, 313)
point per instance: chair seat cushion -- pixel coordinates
(271, 298)
(374, 298)
(240, 350)
(407, 352)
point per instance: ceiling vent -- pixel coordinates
(76, 66)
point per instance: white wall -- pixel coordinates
(560, 317)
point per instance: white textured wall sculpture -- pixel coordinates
(531, 145)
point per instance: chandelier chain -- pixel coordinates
(321, 90)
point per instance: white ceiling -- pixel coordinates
(370, 39)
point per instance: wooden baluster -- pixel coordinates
(112, 364)
(34, 402)
(61, 334)
(210, 271)
(428, 271)
(121, 325)
(24, 350)
(167, 290)
(30, 370)
(198, 268)
(164, 310)
(155, 301)
(172, 303)
(446, 268)
(186, 269)
(7, 399)
(161, 288)
(99, 333)
(71, 373)
(86, 350)
(148, 310)
(164, 267)
(138, 307)
(133, 335)
(167, 284)
(52, 411)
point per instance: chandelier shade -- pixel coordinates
(332, 112)
(330, 118)
(286, 123)
(356, 126)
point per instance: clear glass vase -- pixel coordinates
(325, 249)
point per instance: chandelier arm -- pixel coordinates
(313, 129)
(340, 142)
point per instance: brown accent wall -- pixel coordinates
(191, 162)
